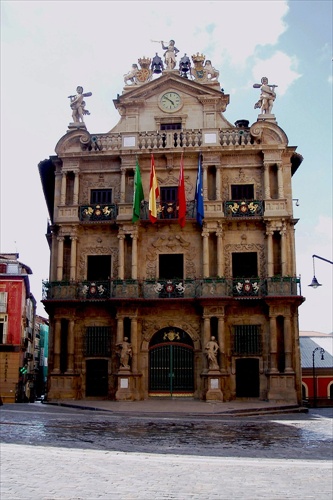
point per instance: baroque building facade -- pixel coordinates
(145, 308)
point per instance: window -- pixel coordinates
(99, 267)
(171, 266)
(242, 192)
(168, 201)
(97, 341)
(3, 302)
(100, 196)
(244, 265)
(3, 329)
(171, 126)
(246, 340)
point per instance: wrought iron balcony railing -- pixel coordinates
(244, 208)
(172, 289)
(168, 210)
(95, 213)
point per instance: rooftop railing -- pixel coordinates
(170, 139)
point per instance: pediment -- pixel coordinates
(135, 93)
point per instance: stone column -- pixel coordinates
(287, 344)
(70, 347)
(60, 261)
(121, 258)
(283, 251)
(122, 184)
(221, 340)
(63, 188)
(218, 183)
(134, 256)
(207, 331)
(220, 253)
(270, 256)
(267, 188)
(57, 344)
(205, 254)
(120, 329)
(76, 188)
(72, 275)
(273, 343)
(280, 181)
(134, 342)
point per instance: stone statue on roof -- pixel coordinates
(267, 96)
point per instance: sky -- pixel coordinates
(48, 48)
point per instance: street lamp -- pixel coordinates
(314, 373)
(314, 283)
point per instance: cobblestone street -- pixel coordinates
(54, 453)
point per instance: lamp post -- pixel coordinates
(314, 283)
(314, 373)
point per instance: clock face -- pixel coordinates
(170, 101)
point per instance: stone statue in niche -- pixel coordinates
(211, 350)
(267, 96)
(78, 104)
(125, 353)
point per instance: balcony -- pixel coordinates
(171, 289)
(97, 213)
(167, 211)
(161, 140)
(244, 208)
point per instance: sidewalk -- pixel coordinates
(177, 406)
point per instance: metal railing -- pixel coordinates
(244, 208)
(95, 213)
(173, 288)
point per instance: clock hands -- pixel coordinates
(165, 97)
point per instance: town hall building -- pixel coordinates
(172, 240)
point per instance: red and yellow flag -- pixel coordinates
(154, 192)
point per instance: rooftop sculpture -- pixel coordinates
(267, 96)
(77, 105)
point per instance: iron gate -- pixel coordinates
(171, 366)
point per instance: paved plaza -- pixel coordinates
(65, 453)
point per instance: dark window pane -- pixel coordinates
(242, 192)
(99, 267)
(100, 196)
(244, 265)
(171, 266)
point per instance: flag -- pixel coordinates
(154, 192)
(138, 195)
(181, 195)
(199, 194)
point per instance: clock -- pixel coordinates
(170, 101)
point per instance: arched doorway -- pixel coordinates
(247, 378)
(171, 363)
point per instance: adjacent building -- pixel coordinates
(189, 289)
(317, 368)
(17, 318)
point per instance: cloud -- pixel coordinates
(279, 68)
